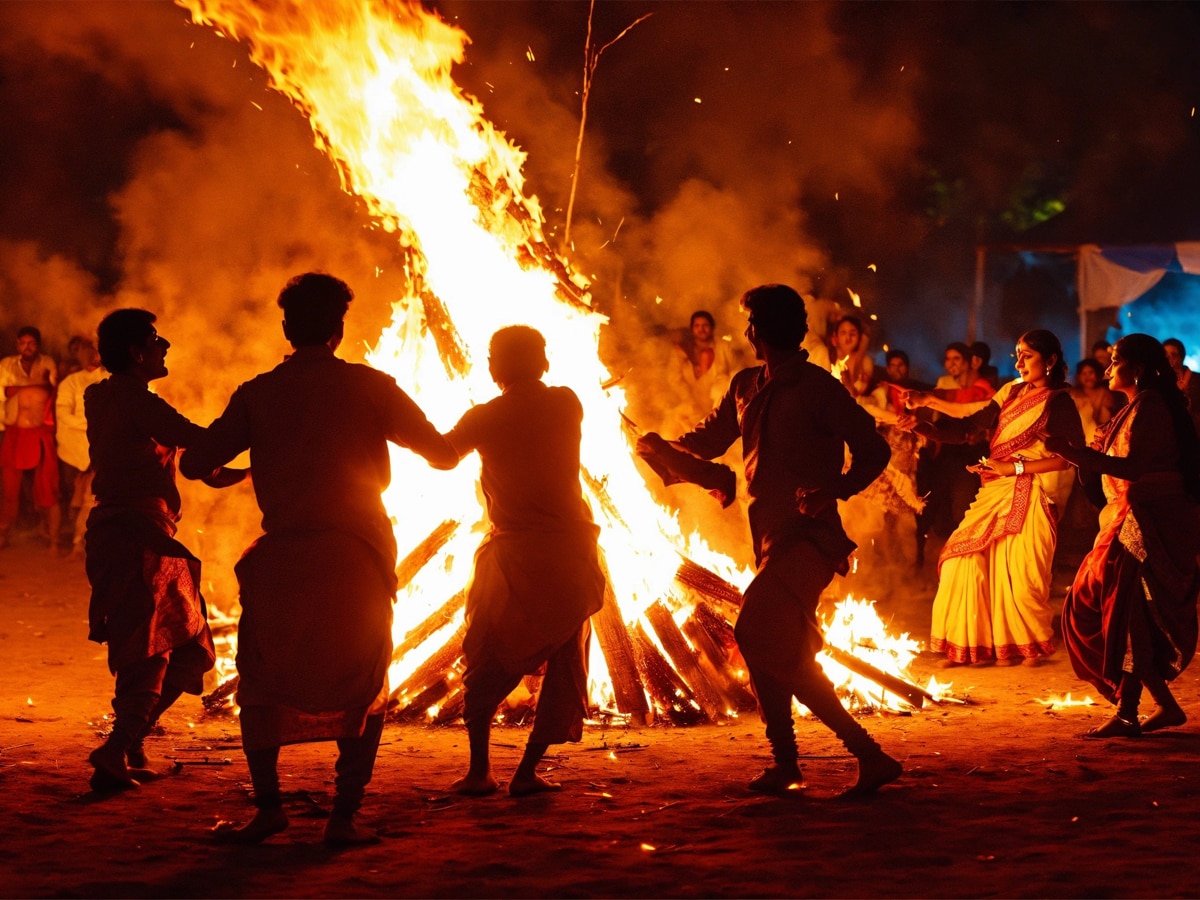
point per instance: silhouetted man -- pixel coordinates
(537, 576)
(314, 640)
(146, 602)
(795, 422)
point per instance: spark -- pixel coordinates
(529, 53)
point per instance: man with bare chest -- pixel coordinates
(28, 381)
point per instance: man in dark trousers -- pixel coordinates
(146, 603)
(314, 640)
(795, 422)
(537, 577)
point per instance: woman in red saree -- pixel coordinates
(993, 598)
(1130, 616)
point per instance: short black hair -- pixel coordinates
(119, 332)
(778, 315)
(30, 331)
(314, 305)
(961, 349)
(982, 350)
(1177, 344)
(703, 314)
(516, 353)
(897, 354)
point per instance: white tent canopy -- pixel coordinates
(1111, 276)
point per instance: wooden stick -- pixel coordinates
(708, 584)
(669, 691)
(221, 693)
(618, 652)
(433, 669)
(717, 665)
(707, 696)
(898, 686)
(421, 554)
(436, 620)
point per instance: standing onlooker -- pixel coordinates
(981, 367)
(851, 363)
(315, 636)
(75, 467)
(1130, 616)
(537, 577)
(952, 485)
(1095, 402)
(1184, 377)
(992, 603)
(1102, 353)
(28, 381)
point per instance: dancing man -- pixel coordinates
(537, 576)
(795, 422)
(315, 639)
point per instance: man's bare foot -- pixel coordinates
(341, 831)
(265, 823)
(524, 785)
(778, 779)
(111, 771)
(471, 785)
(1115, 727)
(874, 772)
(1164, 717)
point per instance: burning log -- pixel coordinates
(718, 630)
(216, 700)
(898, 686)
(437, 620)
(673, 641)
(419, 705)
(421, 554)
(672, 695)
(451, 349)
(716, 663)
(619, 655)
(707, 584)
(432, 670)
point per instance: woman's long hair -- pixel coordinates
(1158, 376)
(1047, 344)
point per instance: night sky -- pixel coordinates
(728, 144)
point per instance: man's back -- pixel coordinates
(528, 439)
(317, 429)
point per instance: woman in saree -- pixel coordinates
(1130, 616)
(993, 598)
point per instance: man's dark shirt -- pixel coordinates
(795, 427)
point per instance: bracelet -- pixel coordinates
(1018, 466)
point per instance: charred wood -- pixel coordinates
(673, 697)
(618, 652)
(432, 670)
(898, 686)
(705, 693)
(708, 584)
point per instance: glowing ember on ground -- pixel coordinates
(1055, 702)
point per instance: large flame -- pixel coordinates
(373, 79)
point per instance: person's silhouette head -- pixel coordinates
(314, 305)
(517, 353)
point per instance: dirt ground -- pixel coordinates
(1000, 797)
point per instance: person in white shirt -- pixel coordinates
(75, 465)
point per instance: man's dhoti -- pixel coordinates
(315, 637)
(529, 603)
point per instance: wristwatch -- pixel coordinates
(1018, 465)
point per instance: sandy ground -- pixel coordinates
(1000, 797)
